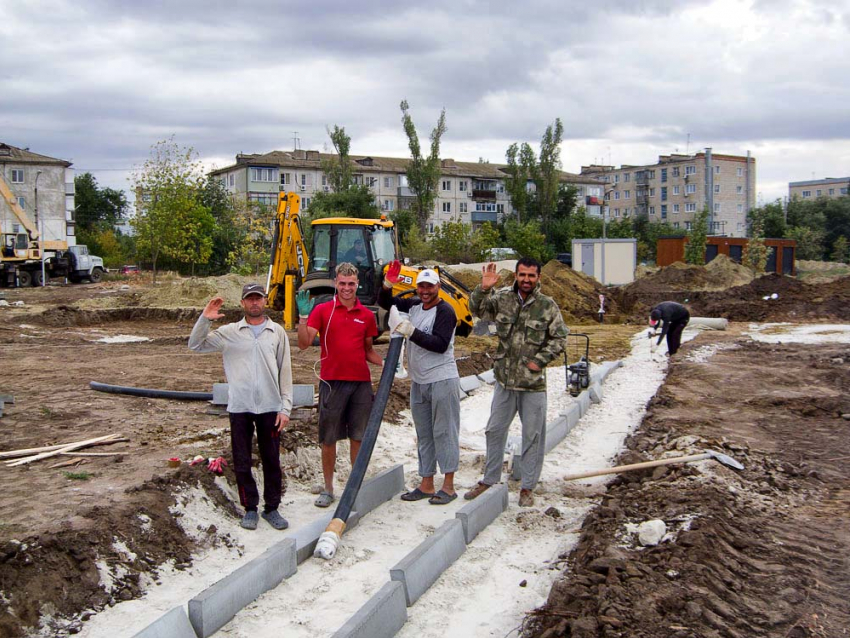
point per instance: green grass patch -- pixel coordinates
(77, 476)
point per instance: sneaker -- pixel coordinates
(275, 519)
(249, 521)
(476, 491)
(526, 498)
(324, 500)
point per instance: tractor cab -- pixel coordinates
(368, 244)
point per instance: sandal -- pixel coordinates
(416, 495)
(442, 498)
(324, 500)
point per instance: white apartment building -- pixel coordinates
(831, 187)
(44, 189)
(471, 192)
(675, 188)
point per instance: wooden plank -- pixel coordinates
(67, 448)
(11, 454)
(67, 463)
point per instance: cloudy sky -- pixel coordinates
(99, 82)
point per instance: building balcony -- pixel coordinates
(69, 188)
(482, 217)
(405, 191)
(483, 195)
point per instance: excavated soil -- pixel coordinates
(763, 552)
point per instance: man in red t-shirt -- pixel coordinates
(346, 329)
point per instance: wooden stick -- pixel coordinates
(68, 448)
(67, 463)
(11, 454)
(91, 453)
(638, 466)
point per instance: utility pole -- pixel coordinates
(43, 238)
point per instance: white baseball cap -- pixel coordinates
(427, 276)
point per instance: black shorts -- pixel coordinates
(344, 408)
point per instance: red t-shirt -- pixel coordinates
(342, 333)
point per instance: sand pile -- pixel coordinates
(721, 273)
(575, 293)
(195, 292)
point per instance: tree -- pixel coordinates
(254, 224)
(423, 173)
(170, 220)
(520, 171)
(527, 240)
(338, 168)
(225, 234)
(95, 207)
(548, 171)
(839, 250)
(836, 220)
(773, 217)
(695, 246)
(809, 242)
(755, 253)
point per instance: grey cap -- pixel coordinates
(253, 289)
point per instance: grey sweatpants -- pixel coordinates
(436, 414)
(532, 414)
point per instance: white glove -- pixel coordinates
(398, 323)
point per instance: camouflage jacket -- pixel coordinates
(533, 331)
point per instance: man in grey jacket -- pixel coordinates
(257, 365)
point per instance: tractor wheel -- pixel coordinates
(38, 279)
(96, 275)
(24, 278)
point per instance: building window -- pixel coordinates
(690, 208)
(285, 179)
(675, 208)
(717, 169)
(616, 194)
(431, 228)
(831, 192)
(463, 207)
(740, 172)
(652, 192)
(675, 190)
(324, 180)
(461, 185)
(675, 224)
(305, 203)
(264, 175)
(22, 202)
(232, 179)
(663, 193)
(389, 205)
(740, 208)
(717, 207)
(843, 191)
(652, 210)
(616, 212)
(627, 195)
(388, 182)
(739, 190)
(690, 189)
(689, 225)
(717, 188)
(663, 211)
(663, 175)
(447, 207)
(616, 179)
(627, 177)
(807, 193)
(447, 184)
(17, 176)
(304, 179)
(690, 170)
(675, 171)
(819, 192)
(263, 199)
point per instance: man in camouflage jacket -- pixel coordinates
(531, 334)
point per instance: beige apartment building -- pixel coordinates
(678, 185)
(830, 187)
(472, 192)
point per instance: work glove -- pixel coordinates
(399, 324)
(392, 276)
(216, 466)
(198, 460)
(304, 303)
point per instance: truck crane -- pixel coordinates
(27, 259)
(370, 244)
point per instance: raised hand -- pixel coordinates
(213, 307)
(304, 303)
(489, 276)
(393, 272)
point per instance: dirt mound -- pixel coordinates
(195, 292)
(719, 274)
(575, 293)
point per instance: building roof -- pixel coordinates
(663, 160)
(13, 154)
(821, 182)
(374, 164)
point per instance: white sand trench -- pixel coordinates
(480, 595)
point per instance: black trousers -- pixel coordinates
(242, 426)
(674, 335)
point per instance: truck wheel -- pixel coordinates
(96, 275)
(37, 278)
(24, 278)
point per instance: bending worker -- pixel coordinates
(435, 383)
(255, 351)
(674, 317)
(531, 333)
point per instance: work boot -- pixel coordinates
(476, 491)
(249, 521)
(526, 499)
(275, 519)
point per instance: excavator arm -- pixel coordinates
(17, 211)
(289, 254)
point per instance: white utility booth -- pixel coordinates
(609, 261)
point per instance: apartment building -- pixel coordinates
(830, 187)
(44, 188)
(472, 192)
(675, 188)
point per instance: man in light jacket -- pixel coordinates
(257, 365)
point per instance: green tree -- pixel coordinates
(338, 168)
(167, 187)
(225, 234)
(254, 224)
(836, 220)
(527, 240)
(774, 220)
(521, 168)
(95, 207)
(755, 253)
(809, 242)
(695, 246)
(548, 171)
(423, 172)
(839, 250)
(451, 241)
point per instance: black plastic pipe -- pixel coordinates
(150, 393)
(329, 540)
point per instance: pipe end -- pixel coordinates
(326, 545)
